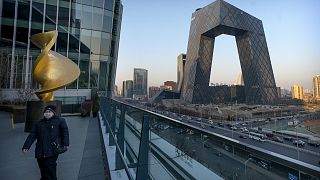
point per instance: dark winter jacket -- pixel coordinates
(41, 133)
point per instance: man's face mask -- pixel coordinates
(48, 114)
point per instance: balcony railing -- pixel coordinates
(153, 146)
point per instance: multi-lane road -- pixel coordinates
(308, 154)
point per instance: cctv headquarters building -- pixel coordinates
(88, 34)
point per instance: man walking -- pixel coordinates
(49, 131)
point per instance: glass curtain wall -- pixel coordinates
(85, 35)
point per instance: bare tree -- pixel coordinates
(24, 95)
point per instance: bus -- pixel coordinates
(257, 136)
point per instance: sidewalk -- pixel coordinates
(83, 160)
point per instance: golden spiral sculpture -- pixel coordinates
(52, 70)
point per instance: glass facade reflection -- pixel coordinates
(88, 34)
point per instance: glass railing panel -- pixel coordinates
(117, 119)
(132, 134)
(180, 149)
(183, 151)
(159, 159)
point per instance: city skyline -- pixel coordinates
(155, 46)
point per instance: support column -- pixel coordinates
(143, 158)
(13, 44)
(26, 78)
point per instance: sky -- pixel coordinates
(154, 33)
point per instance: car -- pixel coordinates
(162, 127)
(288, 138)
(270, 135)
(277, 139)
(312, 143)
(220, 124)
(242, 136)
(264, 164)
(212, 126)
(245, 131)
(299, 142)
(233, 128)
(202, 126)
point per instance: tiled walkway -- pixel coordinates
(83, 160)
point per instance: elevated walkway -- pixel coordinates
(83, 160)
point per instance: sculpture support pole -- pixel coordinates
(52, 71)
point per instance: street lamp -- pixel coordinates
(245, 167)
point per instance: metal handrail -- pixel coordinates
(293, 163)
(117, 146)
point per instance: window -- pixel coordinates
(84, 74)
(108, 4)
(102, 76)
(107, 21)
(105, 43)
(94, 79)
(95, 42)
(86, 19)
(97, 14)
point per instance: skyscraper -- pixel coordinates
(316, 86)
(88, 34)
(127, 89)
(181, 61)
(211, 21)
(297, 92)
(140, 83)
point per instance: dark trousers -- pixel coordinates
(48, 167)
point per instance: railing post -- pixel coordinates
(112, 123)
(143, 158)
(107, 114)
(120, 138)
(104, 108)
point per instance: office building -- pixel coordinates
(127, 89)
(164, 87)
(88, 34)
(285, 93)
(153, 90)
(181, 61)
(316, 87)
(297, 92)
(211, 21)
(140, 83)
(172, 84)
